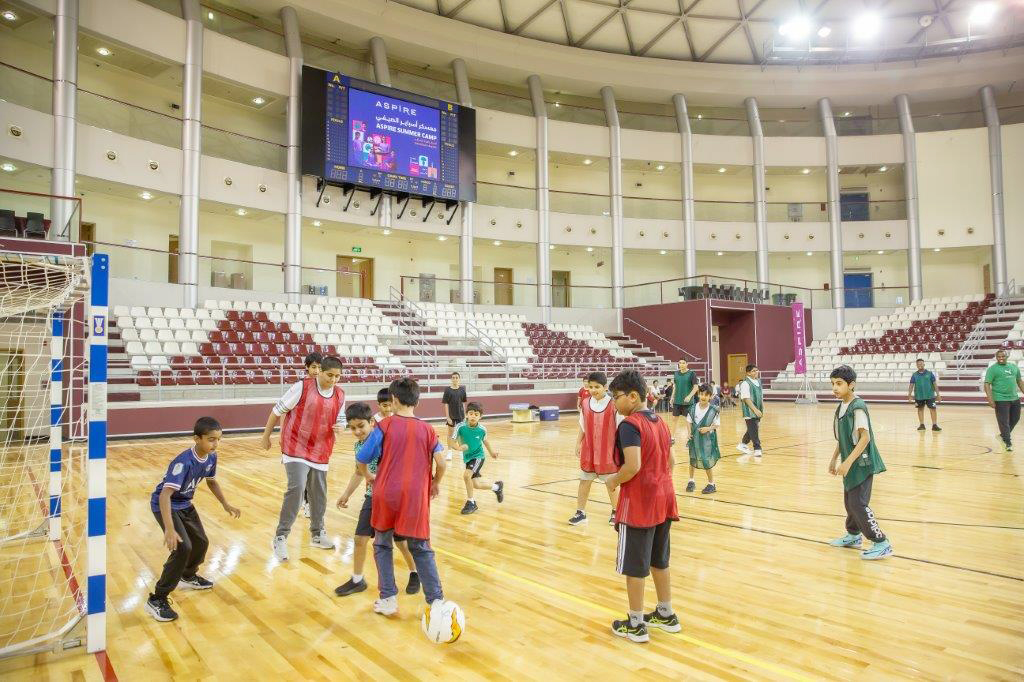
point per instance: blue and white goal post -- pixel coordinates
(96, 472)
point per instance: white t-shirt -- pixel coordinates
(745, 388)
(288, 402)
(860, 417)
(698, 412)
(600, 406)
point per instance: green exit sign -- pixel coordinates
(357, 249)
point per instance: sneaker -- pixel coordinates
(386, 607)
(500, 492)
(757, 456)
(935, 427)
(1009, 448)
(321, 540)
(160, 609)
(634, 633)
(469, 507)
(611, 518)
(691, 486)
(921, 427)
(305, 509)
(577, 518)
(448, 457)
(350, 587)
(708, 489)
(196, 582)
(744, 448)
(280, 545)
(670, 623)
(848, 540)
(879, 550)
(414, 583)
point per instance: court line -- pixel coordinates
(799, 537)
(725, 651)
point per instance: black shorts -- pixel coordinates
(641, 548)
(475, 465)
(929, 403)
(363, 526)
(680, 410)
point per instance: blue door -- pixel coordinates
(859, 293)
(854, 206)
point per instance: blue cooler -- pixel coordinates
(549, 413)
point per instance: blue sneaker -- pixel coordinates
(708, 489)
(879, 550)
(848, 540)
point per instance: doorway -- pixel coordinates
(561, 289)
(737, 367)
(716, 365)
(854, 206)
(355, 277)
(172, 259)
(858, 290)
(87, 235)
(12, 380)
(503, 293)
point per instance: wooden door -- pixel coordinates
(355, 276)
(561, 291)
(737, 367)
(503, 286)
(172, 259)
(87, 235)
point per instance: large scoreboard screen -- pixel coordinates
(363, 134)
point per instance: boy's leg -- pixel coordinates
(316, 486)
(1003, 420)
(426, 566)
(934, 415)
(359, 554)
(851, 522)
(467, 479)
(174, 567)
(583, 494)
(197, 538)
(297, 473)
(1014, 418)
(410, 563)
(383, 556)
(746, 434)
(920, 415)
(635, 595)
(860, 498)
(755, 433)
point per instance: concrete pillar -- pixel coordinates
(293, 218)
(1000, 279)
(465, 98)
(65, 101)
(686, 173)
(910, 186)
(191, 153)
(611, 113)
(835, 225)
(540, 114)
(760, 206)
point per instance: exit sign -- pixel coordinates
(357, 249)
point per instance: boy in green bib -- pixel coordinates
(752, 399)
(704, 421)
(470, 436)
(925, 393)
(858, 464)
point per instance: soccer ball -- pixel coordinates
(443, 622)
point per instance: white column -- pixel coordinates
(381, 74)
(1000, 279)
(835, 224)
(65, 101)
(293, 219)
(760, 206)
(611, 114)
(686, 173)
(540, 115)
(191, 153)
(465, 98)
(910, 187)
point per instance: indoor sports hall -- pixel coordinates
(511, 339)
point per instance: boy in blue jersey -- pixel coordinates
(171, 503)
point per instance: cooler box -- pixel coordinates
(549, 413)
(521, 413)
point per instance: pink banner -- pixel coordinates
(799, 340)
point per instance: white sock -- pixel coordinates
(471, 499)
(494, 487)
(691, 480)
(357, 577)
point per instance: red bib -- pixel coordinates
(308, 429)
(597, 452)
(401, 493)
(649, 498)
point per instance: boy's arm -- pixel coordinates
(491, 451)
(353, 482)
(935, 387)
(753, 408)
(219, 494)
(579, 441)
(171, 537)
(833, 465)
(862, 442)
(910, 390)
(269, 429)
(439, 468)
(988, 394)
(628, 470)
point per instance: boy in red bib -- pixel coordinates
(595, 443)
(411, 466)
(647, 507)
(313, 411)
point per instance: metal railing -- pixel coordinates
(414, 335)
(972, 344)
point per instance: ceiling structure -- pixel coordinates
(748, 31)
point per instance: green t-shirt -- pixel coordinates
(1004, 380)
(473, 436)
(371, 466)
(684, 383)
(924, 385)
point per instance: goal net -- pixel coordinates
(48, 514)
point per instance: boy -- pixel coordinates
(471, 438)
(582, 394)
(860, 462)
(684, 387)
(704, 420)
(312, 363)
(384, 408)
(925, 392)
(647, 508)
(1001, 383)
(454, 401)
(171, 504)
(313, 411)
(752, 399)
(595, 444)
(360, 423)
(403, 488)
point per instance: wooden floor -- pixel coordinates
(760, 593)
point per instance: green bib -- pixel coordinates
(684, 382)
(870, 462)
(704, 453)
(756, 397)
(924, 389)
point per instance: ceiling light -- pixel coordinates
(587, 162)
(846, 113)
(722, 169)
(806, 171)
(719, 253)
(936, 250)
(8, 167)
(810, 253)
(866, 26)
(513, 152)
(442, 237)
(605, 212)
(8, 15)
(590, 249)
(551, 247)
(983, 12)
(317, 223)
(824, 32)
(258, 100)
(241, 211)
(209, 15)
(497, 242)
(146, 195)
(104, 51)
(700, 116)
(385, 232)
(796, 28)
(660, 166)
(880, 252)
(663, 252)
(883, 168)
(558, 104)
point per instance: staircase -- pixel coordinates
(966, 367)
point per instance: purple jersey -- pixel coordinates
(184, 473)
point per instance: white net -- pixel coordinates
(43, 495)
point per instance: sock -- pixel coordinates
(636, 618)
(494, 487)
(471, 500)
(357, 577)
(691, 479)
(665, 608)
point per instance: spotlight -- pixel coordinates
(719, 253)
(796, 28)
(513, 152)
(146, 196)
(8, 15)
(722, 169)
(209, 15)
(558, 104)
(880, 252)
(241, 211)
(846, 113)
(551, 247)
(810, 253)
(497, 242)
(663, 252)
(824, 32)
(590, 249)
(936, 250)
(806, 171)
(700, 116)
(587, 162)
(8, 167)
(258, 100)
(983, 12)
(385, 232)
(442, 238)
(866, 26)
(883, 168)
(660, 166)
(103, 51)
(317, 223)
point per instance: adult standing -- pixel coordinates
(924, 391)
(454, 401)
(1002, 381)
(684, 387)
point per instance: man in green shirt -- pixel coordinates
(924, 392)
(684, 387)
(1001, 383)
(470, 436)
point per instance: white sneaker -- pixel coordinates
(321, 540)
(386, 607)
(745, 449)
(757, 456)
(280, 545)
(305, 509)
(448, 457)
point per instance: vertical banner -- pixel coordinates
(799, 339)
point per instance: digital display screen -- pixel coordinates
(372, 136)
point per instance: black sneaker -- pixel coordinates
(414, 583)
(666, 623)
(350, 587)
(469, 507)
(921, 427)
(578, 518)
(935, 427)
(691, 486)
(708, 489)
(196, 582)
(634, 633)
(160, 609)
(611, 519)
(500, 492)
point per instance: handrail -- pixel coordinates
(662, 338)
(973, 341)
(485, 341)
(421, 346)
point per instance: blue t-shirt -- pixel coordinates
(184, 473)
(370, 450)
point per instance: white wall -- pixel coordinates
(954, 187)
(1013, 199)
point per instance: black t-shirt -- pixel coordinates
(627, 435)
(455, 398)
